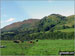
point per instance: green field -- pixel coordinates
(42, 47)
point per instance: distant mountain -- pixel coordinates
(50, 22)
(23, 24)
(35, 28)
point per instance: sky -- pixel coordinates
(17, 10)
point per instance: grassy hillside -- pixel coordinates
(65, 24)
(30, 23)
(67, 30)
(53, 21)
(49, 24)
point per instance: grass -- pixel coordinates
(42, 47)
(66, 30)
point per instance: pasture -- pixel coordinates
(42, 47)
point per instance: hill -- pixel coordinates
(68, 22)
(41, 29)
(49, 22)
(23, 24)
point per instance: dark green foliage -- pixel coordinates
(53, 35)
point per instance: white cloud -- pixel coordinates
(6, 21)
(9, 20)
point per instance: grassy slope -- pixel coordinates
(43, 47)
(67, 30)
